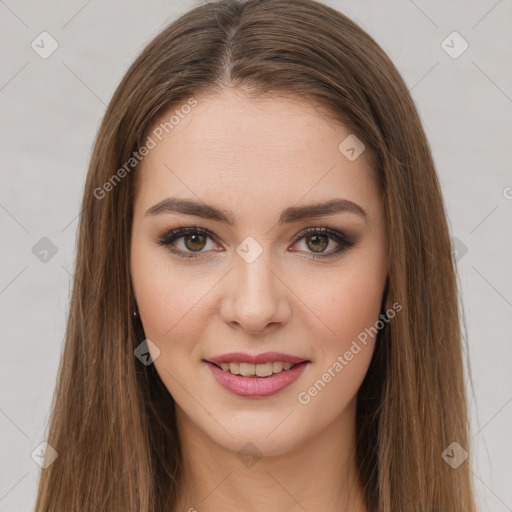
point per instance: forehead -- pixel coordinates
(232, 123)
(269, 150)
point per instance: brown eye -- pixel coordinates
(317, 243)
(317, 240)
(194, 242)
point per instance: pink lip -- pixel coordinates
(257, 386)
(266, 357)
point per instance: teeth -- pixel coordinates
(277, 366)
(225, 366)
(260, 370)
(246, 370)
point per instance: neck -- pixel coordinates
(319, 474)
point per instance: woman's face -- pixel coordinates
(255, 178)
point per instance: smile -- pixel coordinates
(256, 380)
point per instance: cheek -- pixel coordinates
(348, 302)
(348, 306)
(344, 353)
(171, 302)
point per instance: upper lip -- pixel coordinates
(265, 357)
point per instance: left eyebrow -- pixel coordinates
(290, 214)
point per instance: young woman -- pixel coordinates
(264, 312)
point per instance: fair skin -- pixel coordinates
(253, 159)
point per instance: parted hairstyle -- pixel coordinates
(112, 420)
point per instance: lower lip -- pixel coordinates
(257, 386)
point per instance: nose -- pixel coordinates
(256, 298)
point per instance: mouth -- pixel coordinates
(252, 380)
(260, 370)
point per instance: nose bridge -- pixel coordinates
(254, 277)
(257, 296)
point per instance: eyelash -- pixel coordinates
(345, 241)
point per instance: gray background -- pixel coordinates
(51, 109)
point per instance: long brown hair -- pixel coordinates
(112, 420)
